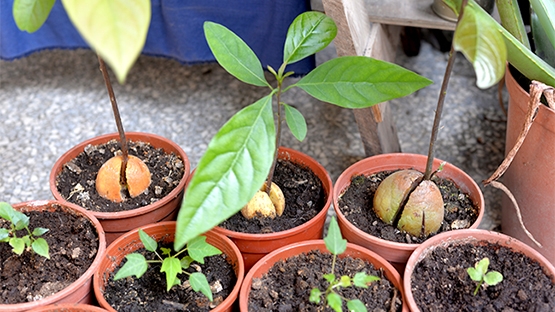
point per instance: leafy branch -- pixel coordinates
(479, 273)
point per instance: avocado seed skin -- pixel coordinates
(389, 195)
(265, 205)
(108, 178)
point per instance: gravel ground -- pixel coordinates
(51, 100)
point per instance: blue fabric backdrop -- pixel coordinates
(175, 30)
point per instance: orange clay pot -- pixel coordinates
(69, 307)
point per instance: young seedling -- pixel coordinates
(19, 221)
(479, 273)
(172, 265)
(336, 245)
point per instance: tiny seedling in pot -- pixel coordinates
(19, 221)
(172, 265)
(479, 273)
(336, 245)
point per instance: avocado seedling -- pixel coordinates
(479, 273)
(336, 245)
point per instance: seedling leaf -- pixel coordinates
(356, 306)
(296, 122)
(149, 243)
(172, 267)
(40, 246)
(4, 235)
(334, 301)
(234, 55)
(493, 278)
(6, 211)
(334, 242)
(30, 15)
(345, 281)
(19, 220)
(330, 277)
(186, 262)
(199, 282)
(135, 265)
(315, 295)
(474, 274)
(39, 231)
(198, 249)
(362, 279)
(18, 245)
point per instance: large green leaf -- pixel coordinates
(232, 169)
(309, 33)
(359, 81)
(234, 55)
(545, 10)
(29, 15)
(115, 29)
(483, 46)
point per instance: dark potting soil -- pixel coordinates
(357, 201)
(77, 180)
(440, 281)
(73, 245)
(148, 293)
(287, 285)
(304, 199)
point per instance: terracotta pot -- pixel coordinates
(530, 175)
(164, 232)
(397, 253)
(255, 246)
(354, 251)
(80, 291)
(117, 223)
(466, 236)
(69, 307)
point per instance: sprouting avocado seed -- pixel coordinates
(264, 205)
(420, 214)
(108, 178)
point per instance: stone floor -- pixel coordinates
(51, 100)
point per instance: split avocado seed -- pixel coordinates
(413, 205)
(265, 205)
(108, 180)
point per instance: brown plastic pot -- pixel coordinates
(475, 236)
(397, 253)
(164, 232)
(80, 291)
(117, 223)
(255, 246)
(69, 307)
(530, 175)
(354, 251)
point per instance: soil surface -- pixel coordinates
(304, 199)
(77, 180)
(73, 245)
(287, 285)
(148, 293)
(440, 281)
(357, 201)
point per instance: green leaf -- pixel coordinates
(6, 211)
(149, 243)
(234, 166)
(330, 277)
(359, 81)
(356, 306)
(30, 15)
(334, 241)
(19, 220)
(295, 121)
(199, 283)
(345, 281)
(115, 29)
(39, 231)
(172, 267)
(334, 301)
(362, 279)
(27, 240)
(40, 246)
(186, 262)
(135, 265)
(545, 11)
(234, 55)
(483, 46)
(166, 251)
(493, 278)
(474, 274)
(315, 295)
(482, 266)
(18, 245)
(198, 249)
(544, 48)
(308, 34)
(4, 235)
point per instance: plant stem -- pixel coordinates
(278, 135)
(441, 100)
(119, 124)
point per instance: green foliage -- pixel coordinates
(487, 45)
(171, 265)
(336, 245)
(19, 221)
(240, 156)
(29, 15)
(479, 273)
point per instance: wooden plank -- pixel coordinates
(415, 13)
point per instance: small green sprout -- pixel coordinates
(19, 221)
(479, 273)
(337, 245)
(197, 248)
